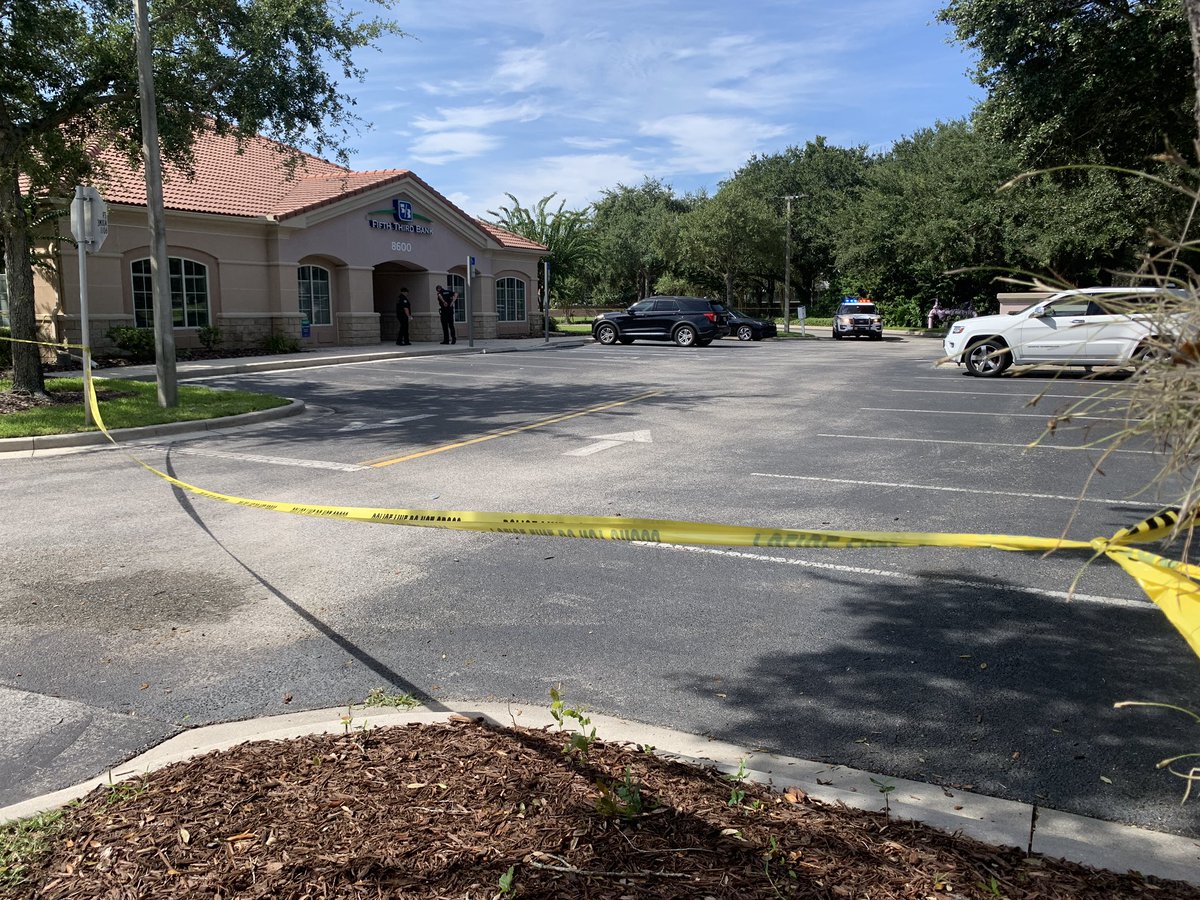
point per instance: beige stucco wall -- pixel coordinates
(252, 272)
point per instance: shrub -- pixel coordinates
(5, 348)
(281, 343)
(210, 336)
(136, 343)
(902, 312)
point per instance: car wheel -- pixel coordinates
(877, 337)
(836, 336)
(685, 336)
(1150, 352)
(606, 334)
(745, 333)
(987, 358)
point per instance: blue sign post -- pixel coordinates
(305, 328)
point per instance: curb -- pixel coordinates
(1093, 842)
(94, 438)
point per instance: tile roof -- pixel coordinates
(255, 183)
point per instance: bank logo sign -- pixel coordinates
(399, 218)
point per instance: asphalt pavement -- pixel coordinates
(64, 736)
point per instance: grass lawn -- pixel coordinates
(123, 404)
(575, 328)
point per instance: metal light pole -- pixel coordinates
(787, 267)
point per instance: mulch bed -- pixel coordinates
(449, 810)
(19, 401)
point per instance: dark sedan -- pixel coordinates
(748, 328)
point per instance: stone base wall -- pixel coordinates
(239, 330)
(356, 329)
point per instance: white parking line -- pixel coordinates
(960, 490)
(254, 457)
(874, 437)
(1005, 394)
(955, 412)
(1144, 605)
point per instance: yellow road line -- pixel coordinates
(392, 460)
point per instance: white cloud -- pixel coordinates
(451, 146)
(715, 144)
(477, 116)
(521, 70)
(578, 180)
(593, 143)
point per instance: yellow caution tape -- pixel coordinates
(1170, 584)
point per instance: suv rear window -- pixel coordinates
(695, 304)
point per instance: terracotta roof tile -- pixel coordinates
(256, 183)
(508, 239)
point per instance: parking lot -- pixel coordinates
(151, 609)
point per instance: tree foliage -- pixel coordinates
(636, 231)
(566, 233)
(68, 88)
(1081, 80)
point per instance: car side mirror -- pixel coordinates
(1039, 312)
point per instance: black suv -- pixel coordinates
(688, 321)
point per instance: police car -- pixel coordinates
(857, 316)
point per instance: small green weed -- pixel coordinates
(381, 697)
(506, 882)
(581, 741)
(737, 794)
(992, 886)
(623, 799)
(885, 788)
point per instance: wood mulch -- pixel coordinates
(19, 401)
(468, 810)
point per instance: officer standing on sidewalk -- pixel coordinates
(446, 298)
(403, 316)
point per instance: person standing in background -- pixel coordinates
(403, 316)
(446, 297)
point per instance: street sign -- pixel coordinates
(89, 218)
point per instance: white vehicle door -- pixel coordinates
(1058, 335)
(1114, 330)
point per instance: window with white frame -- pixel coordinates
(189, 293)
(458, 284)
(313, 282)
(510, 300)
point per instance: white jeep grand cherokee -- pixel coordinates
(1081, 327)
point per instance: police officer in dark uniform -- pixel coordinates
(446, 297)
(403, 316)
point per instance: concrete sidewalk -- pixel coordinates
(211, 368)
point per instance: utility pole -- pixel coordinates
(787, 267)
(160, 273)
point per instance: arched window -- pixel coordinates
(189, 293)
(510, 300)
(313, 282)
(458, 284)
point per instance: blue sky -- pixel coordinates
(533, 97)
